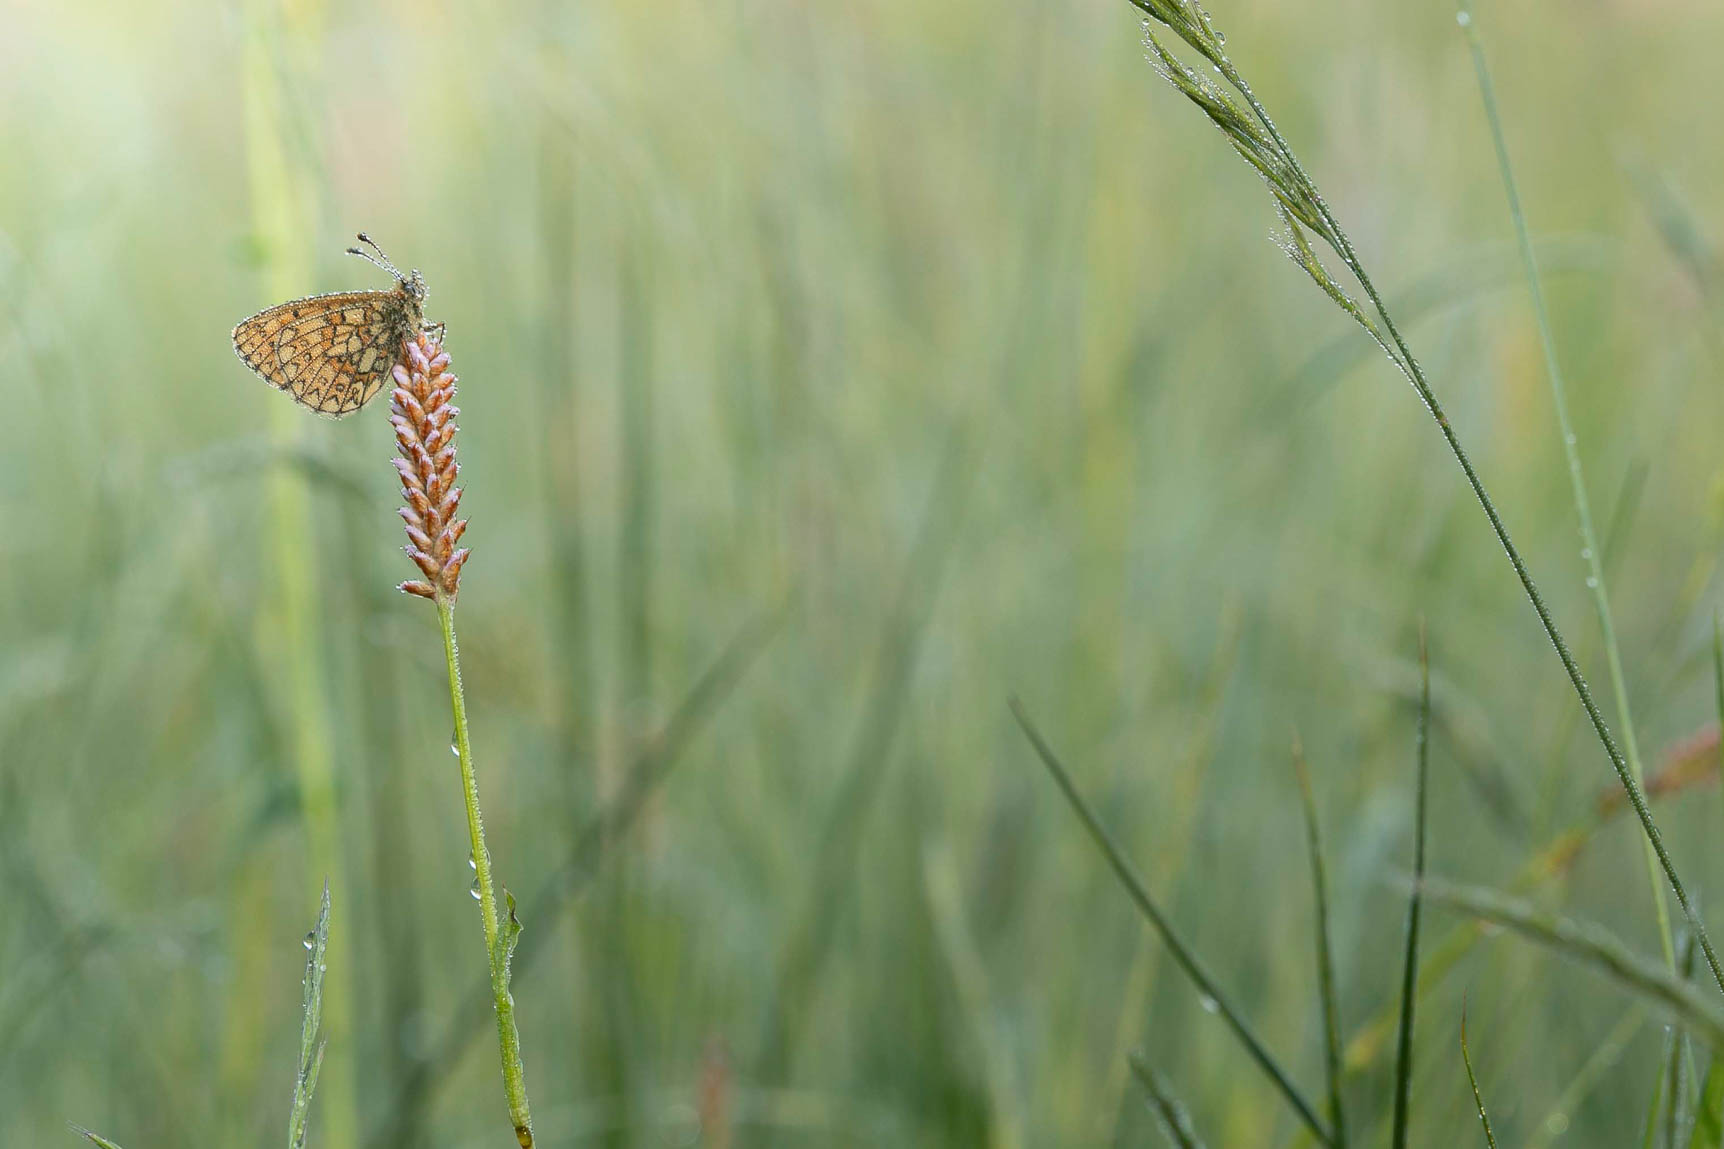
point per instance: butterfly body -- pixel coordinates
(334, 353)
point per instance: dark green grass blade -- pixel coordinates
(1186, 960)
(1410, 970)
(1675, 1084)
(1175, 1122)
(1709, 1118)
(1472, 1080)
(1325, 951)
(1590, 945)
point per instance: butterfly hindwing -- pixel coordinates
(330, 352)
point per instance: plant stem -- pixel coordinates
(496, 949)
(1410, 971)
(1402, 356)
(1325, 952)
(1472, 1080)
(1590, 550)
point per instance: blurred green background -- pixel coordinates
(830, 373)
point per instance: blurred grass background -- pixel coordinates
(939, 344)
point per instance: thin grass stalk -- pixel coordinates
(1410, 970)
(1591, 551)
(1472, 1080)
(1676, 1077)
(1176, 946)
(1325, 950)
(1175, 1122)
(498, 946)
(1259, 141)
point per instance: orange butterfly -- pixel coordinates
(333, 353)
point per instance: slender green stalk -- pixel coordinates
(1472, 1080)
(1410, 971)
(1170, 1114)
(1182, 955)
(499, 937)
(1260, 143)
(1325, 951)
(1590, 549)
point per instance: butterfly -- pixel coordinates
(334, 353)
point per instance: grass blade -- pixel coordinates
(1169, 1113)
(1709, 1117)
(1410, 972)
(1325, 951)
(311, 1041)
(1590, 945)
(1472, 1080)
(1591, 551)
(1182, 955)
(94, 1138)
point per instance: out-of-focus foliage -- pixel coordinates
(946, 332)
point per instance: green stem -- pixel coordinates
(1415, 375)
(496, 949)
(1590, 550)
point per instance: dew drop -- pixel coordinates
(455, 750)
(1591, 583)
(474, 889)
(1464, 18)
(1209, 1004)
(1556, 1124)
(310, 940)
(471, 864)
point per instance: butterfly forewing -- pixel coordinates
(330, 352)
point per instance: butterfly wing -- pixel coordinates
(330, 352)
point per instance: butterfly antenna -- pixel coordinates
(381, 260)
